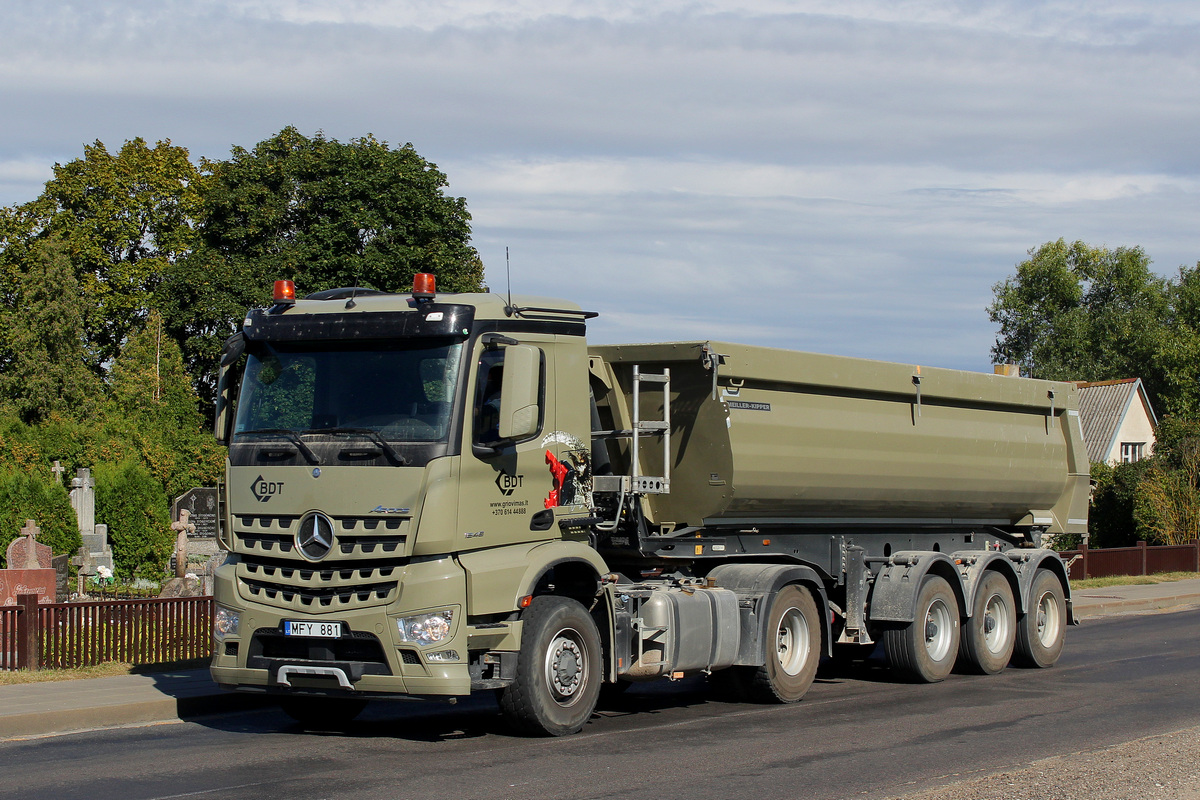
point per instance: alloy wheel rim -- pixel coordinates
(566, 666)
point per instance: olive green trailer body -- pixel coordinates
(769, 436)
(438, 494)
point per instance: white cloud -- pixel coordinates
(844, 176)
(1081, 21)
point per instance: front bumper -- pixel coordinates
(369, 659)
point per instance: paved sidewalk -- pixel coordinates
(1112, 600)
(33, 709)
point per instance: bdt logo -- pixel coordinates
(507, 484)
(264, 489)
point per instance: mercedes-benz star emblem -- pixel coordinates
(314, 539)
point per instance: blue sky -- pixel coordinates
(844, 177)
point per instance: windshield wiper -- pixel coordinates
(291, 436)
(371, 434)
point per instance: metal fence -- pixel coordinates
(1140, 560)
(149, 631)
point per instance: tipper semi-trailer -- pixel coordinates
(429, 495)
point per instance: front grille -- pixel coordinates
(362, 569)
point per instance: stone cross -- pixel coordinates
(182, 528)
(58, 469)
(25, 552)
(83, 500)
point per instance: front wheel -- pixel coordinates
(1041, 631)
(991, 633)
(793, 653)
(924, 650)
(558, 669)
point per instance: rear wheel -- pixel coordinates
(991, 633)
(1041, 630)
(322, 712)
(793, 653)
(924, 650)
(558, 670)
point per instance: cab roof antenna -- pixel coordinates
(508, 309)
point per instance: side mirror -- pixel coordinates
(223, 418)
(519, 412)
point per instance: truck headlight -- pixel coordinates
(426, 629)
(225, 623)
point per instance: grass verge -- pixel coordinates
(1134, 580)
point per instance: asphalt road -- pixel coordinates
(857, 733)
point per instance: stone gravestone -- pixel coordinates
(202, 509)
(62, 564)
(30, 568)
(201, 505)
(95, 551)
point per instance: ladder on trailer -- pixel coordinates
(636, 482)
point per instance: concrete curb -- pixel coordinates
(1098, 605)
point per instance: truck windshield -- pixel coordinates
(401, 390)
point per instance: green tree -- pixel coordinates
(322, 212)
(133, 505)
(25, 495)
(153, 407)
(1111, 519)
(148, 381)
(122, 218)
(1077, 312)
(331, 214)
(46, 371)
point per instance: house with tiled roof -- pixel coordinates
(1118, 422)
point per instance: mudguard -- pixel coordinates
(759, 583)
(546, 557)
(1027, 564)
(492, 574)
(973, 565)
(894, 594)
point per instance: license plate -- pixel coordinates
(321, 630)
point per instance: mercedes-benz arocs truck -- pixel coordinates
(429, 495)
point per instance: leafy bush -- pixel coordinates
(1111, 521)
(29, 496)
(133, 504)
(1168, 500)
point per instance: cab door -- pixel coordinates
(511, 410)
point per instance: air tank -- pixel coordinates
(767, 436)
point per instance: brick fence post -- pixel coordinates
(1142, 547)
(1083, 550)
(28, 632)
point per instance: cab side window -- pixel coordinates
(488, 381)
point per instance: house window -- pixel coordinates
(1132, 451)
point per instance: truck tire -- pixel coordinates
(1041, 630)
(924, 650)
(793, 644)
(990, 634)
(322, 713)
(558, 669)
